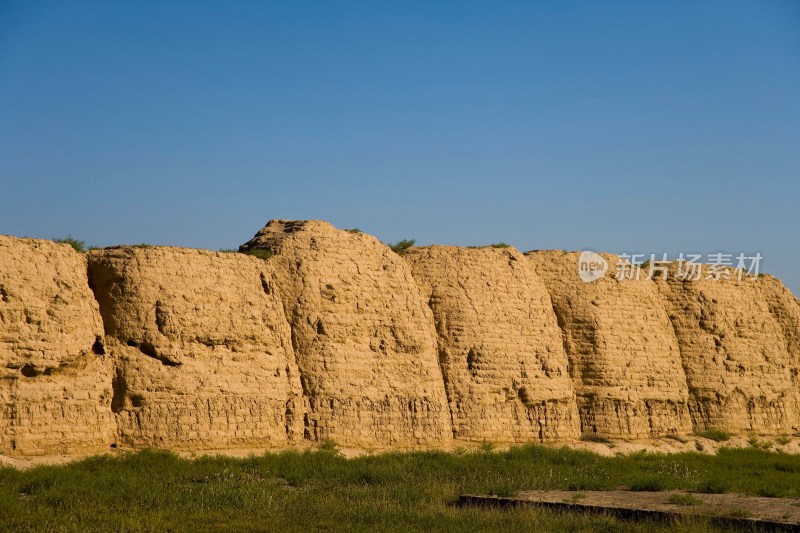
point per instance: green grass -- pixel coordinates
(714, 434)
(685, 500)
(314, 491)
(261, 254)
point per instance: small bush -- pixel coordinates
(500, 245)
(401, 246)
(78, 246)
(257, 252)
(714, 434)
(353, 230)
(142, 245)
(685, 500)
(783, 440)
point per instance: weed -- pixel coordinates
(783, 440)
(328, 445)
(754, 442)
(649, 484)
(770, 492)
(487, 447)
(503, 491)
(740, 513)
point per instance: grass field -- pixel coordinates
(312, 491)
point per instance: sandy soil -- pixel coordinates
(689, 443)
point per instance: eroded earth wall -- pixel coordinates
(55, 375)
(738, 342)
(500, 348)
(329, 334)
(202, 349)
(624, 356)
(364, 340)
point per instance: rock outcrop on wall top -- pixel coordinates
(364, 341)
(624, 357)
(55, 377)
(202, 349)
(500, 348)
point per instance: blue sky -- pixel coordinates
(615, 126)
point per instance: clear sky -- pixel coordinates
(616, 126)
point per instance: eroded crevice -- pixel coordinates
(97, 347)
(119, 390)
(149, 350)
(30, 371)
(266, 286)
(162, 318)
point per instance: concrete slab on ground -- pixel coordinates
(783, 513)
